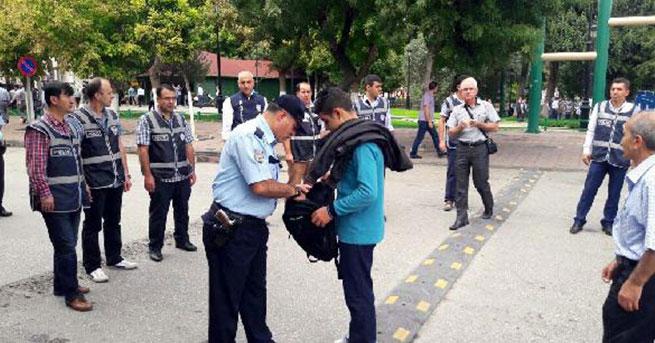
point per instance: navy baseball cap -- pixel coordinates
(292, 105)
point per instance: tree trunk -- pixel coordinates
(155, 81)
(192, 117)
(282, 81)
(523, 79)
(552, 81)
(429, 62)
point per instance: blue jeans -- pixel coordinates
(451, 180)
(62, 229)
(355, 262)
(422, 129)
(595, 176)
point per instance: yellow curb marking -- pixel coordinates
(456, 266)
(391, 299)
(506, 209)
(428, 262)
(423, 306)
(456, 234)
(479, 238)
(401, 334)
(469, 250)
(443, 247)
(489, 227)
(411, 278)
(441, 283)
(499, 217)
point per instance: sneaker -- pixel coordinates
(342, 340)
(125, 264)
(99, 275)
(418, 157)
(448, 205)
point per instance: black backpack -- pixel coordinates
(320, 244)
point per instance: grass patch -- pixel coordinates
(203, 117)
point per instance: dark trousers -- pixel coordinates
(474, 158)
(160, 200)
(450, 176)
(420, 134)
(355, 263)
(237, 284)
(629, 327)
(595, 176)
(106, 205)
(2, 172)
(62, 229)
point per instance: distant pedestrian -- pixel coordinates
(243, 105)
(449, 144)
(629, 309)
(603, 153)
(3, 149)
(131, 96)
(426, 122)
(469, 123)
(141, 95)
(165, 146)
(373, 106)
(5, 101)
(57, 186)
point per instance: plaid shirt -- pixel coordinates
(143, 138)
(37, 146)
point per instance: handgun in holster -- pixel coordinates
(227, 227)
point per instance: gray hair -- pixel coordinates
(244, 74)
(470, 80)
(643, 124)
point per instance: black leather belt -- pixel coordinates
(471, 144)
(626, 262)
(242, 218)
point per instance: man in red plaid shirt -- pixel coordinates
(57, 186)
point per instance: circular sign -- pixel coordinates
(27, 66)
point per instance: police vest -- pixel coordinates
(451, 103)
(63, 169)
(101, 157)
(246, 108)
(167, 149)
(305, 140)
(377, 114)
(606, 145)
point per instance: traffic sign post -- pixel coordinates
(28, 66)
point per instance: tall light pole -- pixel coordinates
(585, 106)
(218, 57)
(409, 61)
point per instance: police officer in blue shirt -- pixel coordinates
(234, 232)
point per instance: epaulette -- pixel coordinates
(259, 133)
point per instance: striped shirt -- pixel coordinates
(143, 138)
(634, 226)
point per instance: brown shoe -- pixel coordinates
(79, 303)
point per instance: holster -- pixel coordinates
(219, 225)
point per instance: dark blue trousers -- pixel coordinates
(62, 229)
(451, 180)
(595, 176)
(237, 284)
(160, 201)
(355, 263)
(420, 134)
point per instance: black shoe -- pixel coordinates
(4, 213)
(607, 230)
(156, 256)
(416, 156)
(461, 221)
(186, 246)
(575, 228)
(487, 214)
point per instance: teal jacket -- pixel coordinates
(359, 206)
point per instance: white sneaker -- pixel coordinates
(99, 275)
(125, 264)
(342, 340)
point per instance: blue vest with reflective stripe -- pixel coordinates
(63, 170)
(246, 108)
(101, 156)
(167, 149)
(377, 114)
(606, 145)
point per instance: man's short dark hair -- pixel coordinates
(56, 88)
(93, 87)
(370, 79)
(165, 86)
(622, 80)
(297, 88)
(432, 85)
(330, 98)
(457, 80)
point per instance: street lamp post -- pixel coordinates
(219, 85)
(585, 106)
(407, 99)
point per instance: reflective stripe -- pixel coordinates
(163, 165)
(305, 138)
(91, 127)
(62, 141)
(100, 159)
(604, 144)
(365, 112)
(62, 180)
(161, 130)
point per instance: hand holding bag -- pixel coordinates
(492, 147)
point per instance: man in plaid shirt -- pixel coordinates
(58, 188)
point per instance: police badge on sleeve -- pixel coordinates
(259, 108)
(259, 156)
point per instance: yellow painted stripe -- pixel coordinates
(499, 217)
(456, 234)
(423, 306)
(411, 278)
(469, 250)
(506, 210)
(401, 334)
(490, 227)
(391, 299)
(479, 238)
(441, 283)
(443, 247)
(456, 266)
(428, 262)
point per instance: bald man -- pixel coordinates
(242, 106)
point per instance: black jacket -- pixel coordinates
(338, 148)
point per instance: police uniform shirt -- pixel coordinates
(482, 112)
(248, 157)
(374, 104)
